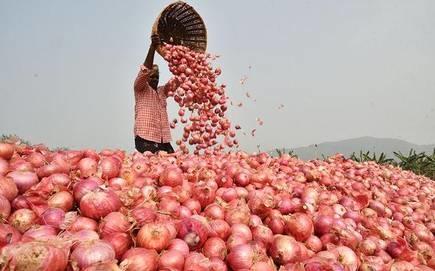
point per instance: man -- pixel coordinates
(151, 128)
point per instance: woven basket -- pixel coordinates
(180, 24)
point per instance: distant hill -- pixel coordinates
(348, 146)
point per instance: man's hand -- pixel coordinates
(155, 41)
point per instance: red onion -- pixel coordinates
(204, 193)
(8, 235)
(171, 176)
(323, 224)
(193, 232)
(22, 219)
(217, 265)
(140, 259)
(8, 188)
(242, 230)
(60, 179)
(193, 205)
(23, 179)
(84, 236)
(143, 215)
(36, 256)
(346, 257)
(171, 260)
(153, 236)
(220, 228)
(54, 217)
(113, 223)
(5, 208)
(4, 167)
(83, 223)
(300, 226)
(106, 266)
(235, 240)
(87, 167)
(63, 200)
(214, 211)
(314, 243)
(284, 249)
(43, 232)
(262, 234)
(179, 245)
(215, 247)
(196, 262)
(92, 252)
(84, 187)
(6, 150)
(99, 204)
(120, 242)
(110, 168)
(263, 266)
(241, 257)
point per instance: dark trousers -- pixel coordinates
(143, 145)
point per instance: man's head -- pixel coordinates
(154, 77)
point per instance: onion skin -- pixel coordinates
(241, 257)
(300, 226)
(140, 259)
(193, 232)
(92, 252)
(284, 249)
(215, 247)
(99, 204)
(39, 233)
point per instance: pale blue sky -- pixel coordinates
(341, 68)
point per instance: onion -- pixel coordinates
(120, 242)
(83, 223)
(241, 257)
(99, 204)
(140, 259)
(263, 266)
(204, 193)
(196, 262)
(347, 257)
(43, 232)
(6, 150)
(60, 179)
(262, 234)
(83, 237)
(171, 176)
(36, 256)
(22, 219)
(5, 208)
(217, 265)
(214, 211)
(23, 179)
(63, 200)
(220, 228)
(193, 232)
(106, 266)
(87, 167)
(8, 188)
(4, 167)
(284, 249)
(242, 230)
(53, 217)
(92, 252)
(215, 247)
(8, 235)
(193, 205)
(300, 226)
(402, 266)
(171, 260)
(113, 223)
(84, 187)
(323, 224)
(143, 215)
(153, 236)
(109, 168)
(314, 243)
(179, 245)
(235, 240)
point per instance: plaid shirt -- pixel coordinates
(151, 117)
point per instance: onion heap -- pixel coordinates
(110, 210)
